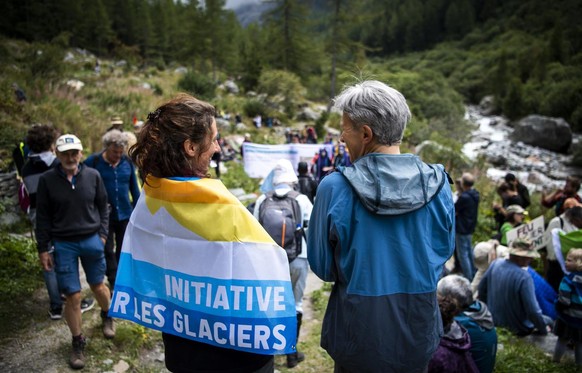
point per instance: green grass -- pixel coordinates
(516, 355)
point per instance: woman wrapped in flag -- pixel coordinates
(195, 263)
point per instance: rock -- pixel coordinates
(181, 70)
(308, 114)
(231, 87)
(222, 124)
(69, 57)
(487, 106)
(241, 127)
(497, 160)
(548, 133)
(121, 367)
(75, 84)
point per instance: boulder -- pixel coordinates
(548, 133)
(222, 124)
(487, 105)
(231, 87)
(308, 114)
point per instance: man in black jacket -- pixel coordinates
(41, 157)
(466, 212)
(72, 216)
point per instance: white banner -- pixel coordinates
(260, 159)
(534, 231)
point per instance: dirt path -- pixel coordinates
(44, 345)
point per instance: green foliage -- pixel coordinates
(510, 358)
(236, 177)
(199, 85)
(282, 88)
(132, 338)
(320, 124)
(254, 107)
(20, 272)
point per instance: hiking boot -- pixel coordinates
(108, 326)
(294, 359)
(87, 304)
(56, 313)
(77, 359)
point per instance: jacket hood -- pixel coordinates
(45, 157)
(394, 184)
(456, 338)
(479, 312)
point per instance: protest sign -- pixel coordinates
(259, 159)
(534, 231)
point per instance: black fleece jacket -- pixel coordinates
(70, 211)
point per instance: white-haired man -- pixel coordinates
(72, 217)
(381, 230)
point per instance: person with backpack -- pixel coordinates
(121, 181)
(41, 157)
(284, 213)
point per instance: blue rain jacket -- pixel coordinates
(381, 230)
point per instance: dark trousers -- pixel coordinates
(555, 274)
(113, 248)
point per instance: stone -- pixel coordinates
(548, 133)
(487, 106)
(121, 367)
(308, 114)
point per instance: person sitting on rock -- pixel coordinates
(509, 292)
(453, 352)
(475, 318)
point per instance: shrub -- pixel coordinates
(278, 83)
(20, 273)
(254, 107)
(236, 177)
(200, 86)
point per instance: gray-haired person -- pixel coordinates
(123, 189)
(475, 318)
(381, 230)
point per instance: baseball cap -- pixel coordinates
(515, 209)
(523, 247)
(116, 120)
(68, 142)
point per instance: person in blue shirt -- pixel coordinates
(381, 230)
(508, 290)
(123, 189)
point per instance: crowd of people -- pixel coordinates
(379, 224)
(517, 296)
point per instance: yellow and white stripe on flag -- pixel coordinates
(195, 263)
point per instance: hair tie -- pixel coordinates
(154, 115)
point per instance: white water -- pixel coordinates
(535, 167)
